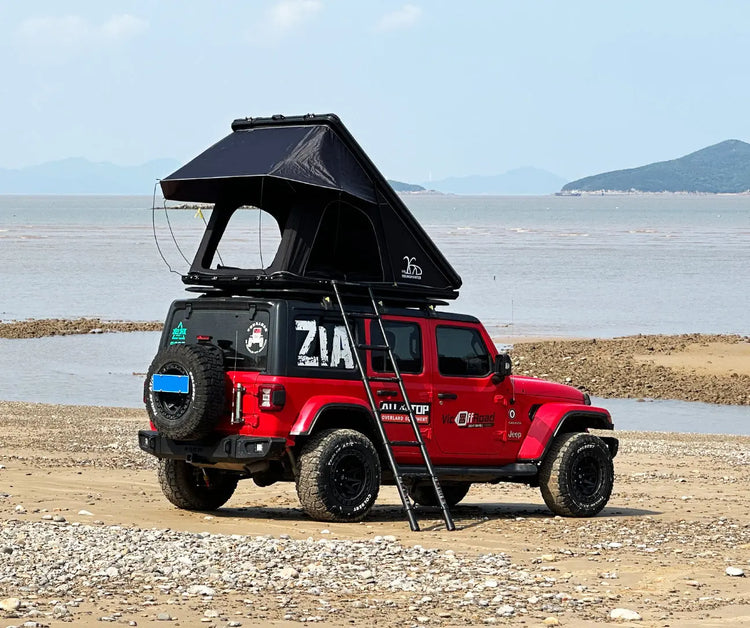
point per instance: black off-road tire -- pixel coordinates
(339, 475)
(577, 475)
(193, 415)
(424, 494)
(192, 488)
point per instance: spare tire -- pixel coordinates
(193, 414)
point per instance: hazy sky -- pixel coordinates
(428, 88)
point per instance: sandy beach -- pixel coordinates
(83, 520)
(87, 537)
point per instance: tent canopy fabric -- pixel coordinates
(338, 217)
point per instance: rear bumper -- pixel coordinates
(231, 449)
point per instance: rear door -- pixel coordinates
(406, 338)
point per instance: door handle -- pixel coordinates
(387, 393)
(447, 396)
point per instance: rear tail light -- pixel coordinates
(271, 397)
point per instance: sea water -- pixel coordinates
(584, 266)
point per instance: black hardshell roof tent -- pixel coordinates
(338, 217)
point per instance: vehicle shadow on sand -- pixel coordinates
(465, 516)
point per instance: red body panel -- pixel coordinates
(463, 420)
(546, 422)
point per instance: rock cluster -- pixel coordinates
(38, 328)
(608, 368)
(53, 567)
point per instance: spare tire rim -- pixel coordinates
(586, 476)
(173, 405)
(350, 478)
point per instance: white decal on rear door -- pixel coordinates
(339, 351)
(303, 357)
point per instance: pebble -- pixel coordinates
(735, 571)
(624, 614)
(10, 604)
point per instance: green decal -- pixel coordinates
(178, 335)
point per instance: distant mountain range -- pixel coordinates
(81, 176)
(721, 168)
(519, 181)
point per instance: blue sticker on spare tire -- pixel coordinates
(170, 383)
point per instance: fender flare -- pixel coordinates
(315, 406)
(553, 418)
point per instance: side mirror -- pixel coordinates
(503, 367)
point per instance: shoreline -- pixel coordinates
(709, 368)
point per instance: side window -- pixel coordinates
(406, 341)
(461, 352)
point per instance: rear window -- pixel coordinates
(243, 335)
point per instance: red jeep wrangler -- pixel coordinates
(332, 367)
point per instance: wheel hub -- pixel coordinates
(586, 477)
(349, 477)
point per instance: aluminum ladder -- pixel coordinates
(398, 474)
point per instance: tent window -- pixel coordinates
(240, 246)
(345, 246)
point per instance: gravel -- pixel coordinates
(55, 567)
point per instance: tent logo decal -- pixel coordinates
(412, 271)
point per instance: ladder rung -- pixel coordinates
(373, 347)
(368, 315)
(392, 380)
(404, 443)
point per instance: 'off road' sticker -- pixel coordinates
(257, 337)
(470, 419)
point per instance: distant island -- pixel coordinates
(721, 168)
(400, 186)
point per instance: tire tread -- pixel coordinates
(309, 481)
(553, 476)
(174, 479)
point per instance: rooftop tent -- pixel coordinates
(338, 217)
